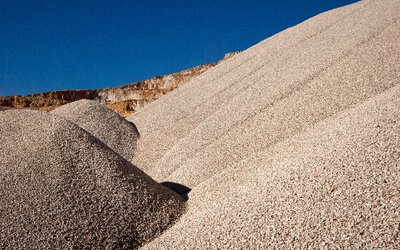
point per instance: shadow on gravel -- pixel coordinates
(135, 130)
(180, 189)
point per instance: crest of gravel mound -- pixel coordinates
(270, 92)
(115, 131)
(62, 188)
(293, 143)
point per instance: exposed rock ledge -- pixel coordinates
(124, 99)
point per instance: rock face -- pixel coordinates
(124, 99)
(62, 188)
(116, 132)
(46, 101)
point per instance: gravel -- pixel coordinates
(62, 188)
(292, 143)
(116, 132)
(334, 186)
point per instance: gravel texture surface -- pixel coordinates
(293, 143)
(62, 188)
(291, 81)
(334, 186)
(115, 131)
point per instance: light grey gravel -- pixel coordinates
(334, 186)
(115, 131)
(62, 188)
(291, 81)
(293, 143)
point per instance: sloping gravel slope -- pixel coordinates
(62, 188)
(334, 186)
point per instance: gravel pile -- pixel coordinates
(334, 186)
(270, 92)
(116, 132)
(62, 188)
(291, 143)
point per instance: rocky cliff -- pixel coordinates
(124, 99)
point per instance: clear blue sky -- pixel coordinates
(84, 44)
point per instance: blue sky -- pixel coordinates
(84, 44)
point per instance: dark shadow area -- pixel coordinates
(135, 129)
(180, 189)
